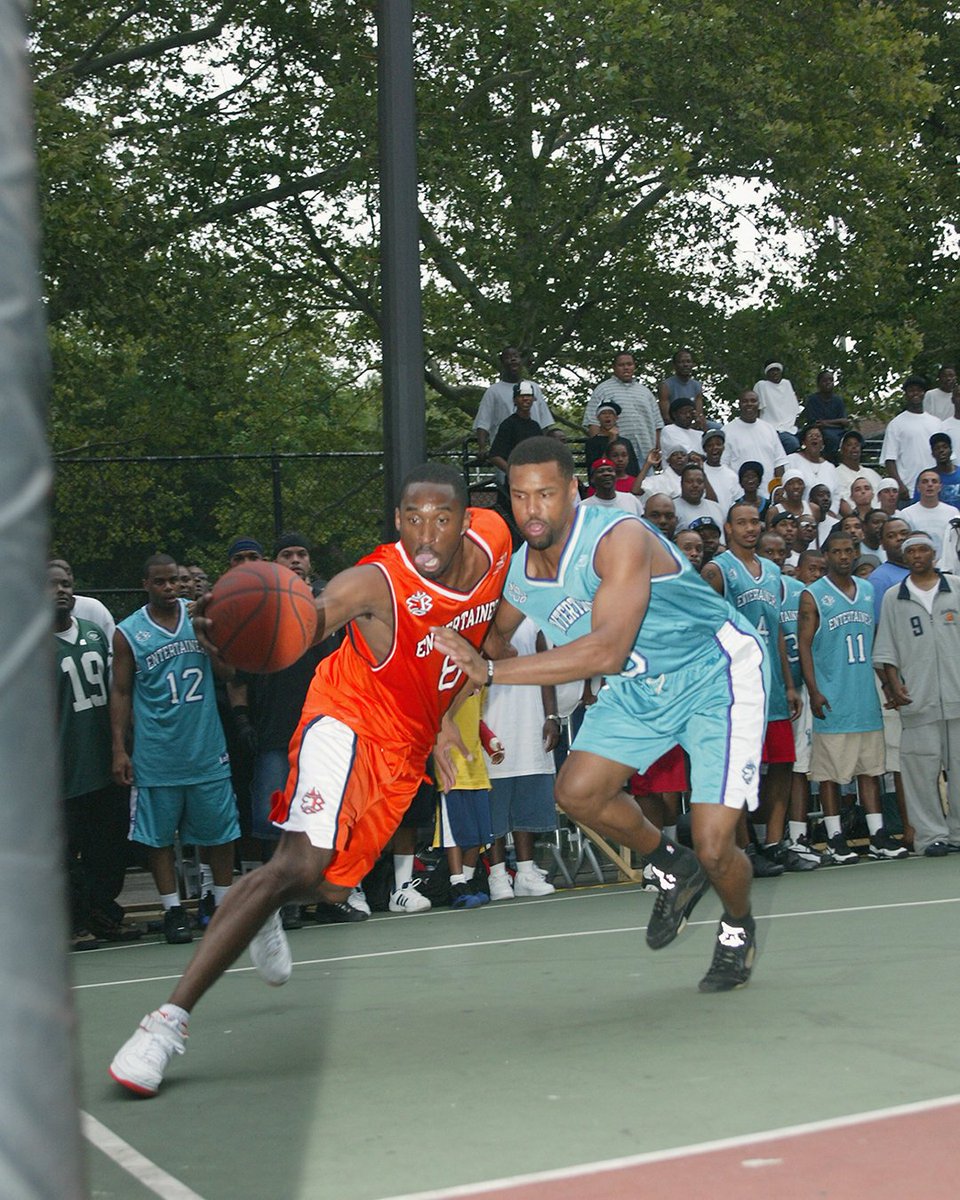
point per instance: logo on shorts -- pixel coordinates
(312, 802)
(749, 771)
(419, 604)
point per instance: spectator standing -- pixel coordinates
(938, 401)
(465, 810)
(496, 403)
(941, 447)
(640, 420)
(813, 466)
(836, 641)
(951, 424)
(906, 444)
(751, 440)
(179, 769)
(918, 651)
(825, 409)
(779, 405)
(849, 466)
(681, 384)
(722, 482)
(94, 809)
(515, 428)
(930, 514)
(89, 608)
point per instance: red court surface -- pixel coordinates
(847, 1159)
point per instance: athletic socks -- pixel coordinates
(498, 870)
(206, 879)
(874, 823)
(455, 879)
(402, 870)
(798, 829)
(526, 867)
(832, 826)
(468, 872)
(760, 832)
(218, 893)
(170, 901)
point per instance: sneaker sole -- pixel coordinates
(136, 1088)
(887, 855)
(694, 889)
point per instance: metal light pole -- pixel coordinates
(404, 407)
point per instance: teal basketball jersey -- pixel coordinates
(682, 617)
(758, 600)
(82, 700)
(177, 735)
(789, 620)
(843, 658)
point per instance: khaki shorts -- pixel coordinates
(840, 757)
(892, 729)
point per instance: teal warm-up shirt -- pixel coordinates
(177, 735)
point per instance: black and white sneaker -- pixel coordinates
(762, 865)
(782, 854)
(839, 852)
(803, 850)
(342, 913)
(680, 890)
(733, 957)
(882, 845)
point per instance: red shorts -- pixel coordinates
(667, 774)
(778, 744)
(346, 793)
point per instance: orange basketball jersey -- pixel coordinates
(401, 701)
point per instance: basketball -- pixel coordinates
(263, 617)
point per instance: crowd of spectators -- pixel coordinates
(775, 506)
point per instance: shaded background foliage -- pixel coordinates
(208, 175)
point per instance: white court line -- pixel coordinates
(657, 1156)
(153, 1178)
(538, 937)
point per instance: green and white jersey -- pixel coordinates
(83, 703)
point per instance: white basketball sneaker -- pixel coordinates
(141, 1061)
(270, 952)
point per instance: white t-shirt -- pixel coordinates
(753, 441)
(514, 711)
(779, 405)
(847, 475)
(625, 500)
(907, 443)
(814, 473)
(951, 427)
(89, 608)
(725, 484)
(689, 512)
(672, 437)
(935, 521)
(497, 404)
(924, 595)
(938, 403)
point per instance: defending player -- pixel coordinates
(370, 720)
(681, 667)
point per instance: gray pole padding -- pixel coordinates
(39, 1128)
(404, 405)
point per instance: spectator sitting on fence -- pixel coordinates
(825, 409)
(516, 428)
(598, 446)
(497, 401)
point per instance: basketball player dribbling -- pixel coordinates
(372, 715)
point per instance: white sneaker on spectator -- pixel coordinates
(140, 1062)
(270, 952)
(407, 899)
(358, 900)
(501, 887)
(531, 884)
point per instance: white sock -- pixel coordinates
(402, 869)
(173, 1012)
(170, 901)
(498, 870)
(218, 893)
(526, 867)
(455, 879)
(832, 826)
(670, 831)
(760, 831)
(468, 872)
(874, 823)
(206, 878)
(246, 866)
(798, 829)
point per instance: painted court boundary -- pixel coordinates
(147, 1173)
(540, 937)
(658, 1156)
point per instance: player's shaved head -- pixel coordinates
(440, 474)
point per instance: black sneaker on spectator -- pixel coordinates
(679, 892)
(802, 849)
(83, 939)
(781, 854)
(110, 929)
(936, 850)
(206, 907)
(338, 914)
(839, 852)
(882, 845)
(763, 866)
(176, 926)
(733, 957)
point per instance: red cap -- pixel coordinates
(602, 462)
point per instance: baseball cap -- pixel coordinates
(602, 462)
(523, 388)
(681, 402)
(712, 433)
(888, 485)
(704, 523)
